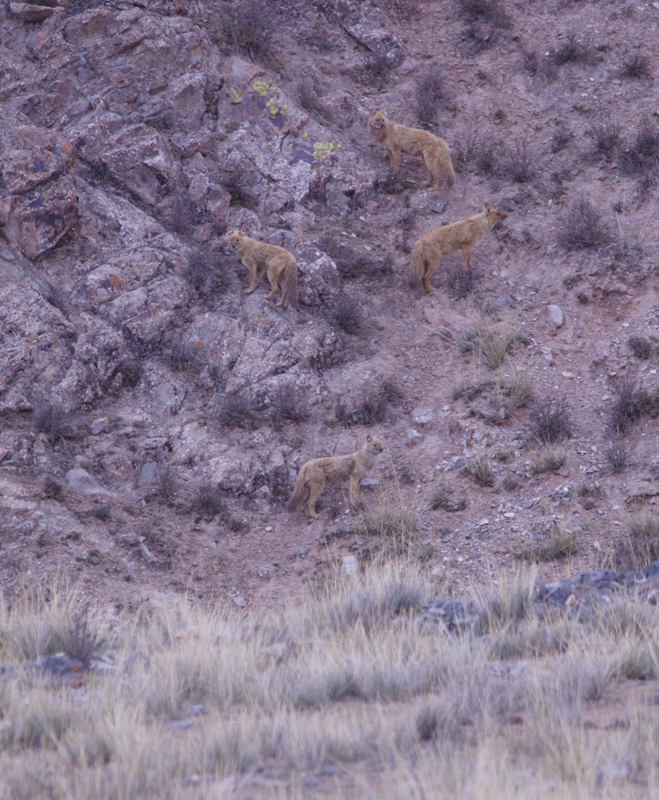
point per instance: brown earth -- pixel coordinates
(135, 133)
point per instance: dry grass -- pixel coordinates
(344, 692)
(560, 543)
(479, 470)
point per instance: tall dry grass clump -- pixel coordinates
(342, 692)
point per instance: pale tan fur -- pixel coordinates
(258, 257)
(313, 474)
(429, 249)
(415, 142)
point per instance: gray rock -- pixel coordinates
(555, 316)
(413, 436)
(425, 416)
(99, 426)
(31, 13)
(349, 564)
(81, 482)
(148, 473)
(239, 600)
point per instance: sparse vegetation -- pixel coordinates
(166, 483)
(573, 50)
(606, 139)
(442, 498)
(636, 68)
(52, 488)
(53, 420)
(617, 456)
(561, 138)
(348, 314)
(631, 400)
(642, 157)
(208, 501)
(479, 470)
(641, 347)
(558, 544)
(583, 228)
(549, 461)
(209, 273)
(549, 420)
(429, 94)
(518, 164)
(372, 407)
(237, 411)
(250, 28)
(512, 394)
(289, 404)
(460, 281)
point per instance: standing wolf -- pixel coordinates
(401, 139)
(313, 474)
(279, 263)
(429, 249)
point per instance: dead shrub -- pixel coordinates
(348, 314)
(166, 483)
(643, 155)
(606, 139)
(237, 411)
(52, 488)
(549, 420)
(373, 406)
(53, 420)
(209, 272)
(179, 357)
(583, 228)
(102, 513)
(561, 138)
(309, 97)
(518, 164)
(631, 401)
(460, 281)
(208, 501)
(641, 347)
(240, 185)
(573, 51)
(429, 94)
(488, 11)
(289, 404)
(617, 456)
(636, 68)
(183, 214)
(250, 28)
(480, 150)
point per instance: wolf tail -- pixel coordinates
(300, 493)
(419, 263)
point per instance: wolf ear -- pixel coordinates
(371, 110)
(486, 206)
(242, 230)
(369, 438)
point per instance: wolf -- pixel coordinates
(313, 474)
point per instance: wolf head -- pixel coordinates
(374, 444)
(236, 238)
(493, 215)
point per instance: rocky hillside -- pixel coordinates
(154, 416)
